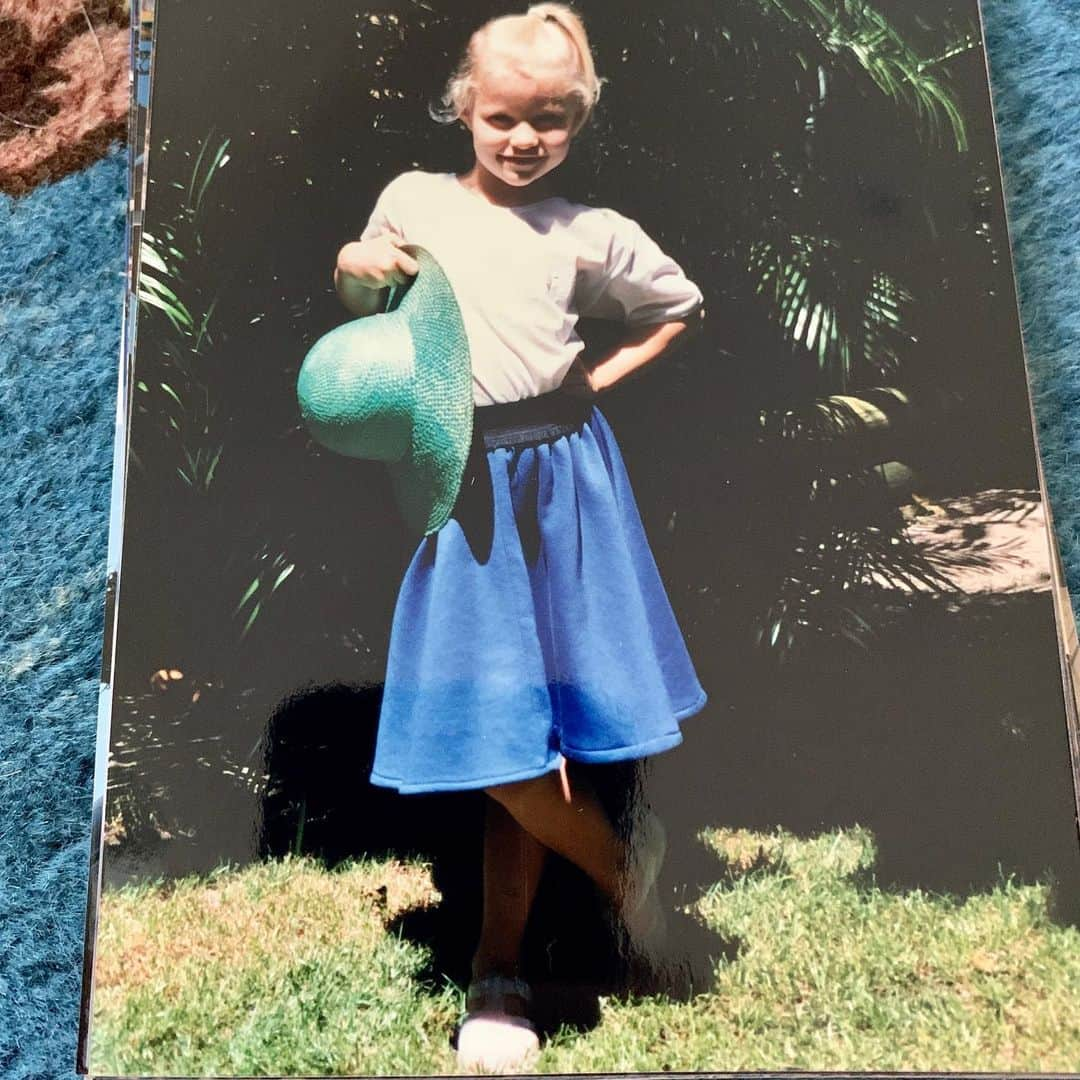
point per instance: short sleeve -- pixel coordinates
(637, 282)
(386, 217)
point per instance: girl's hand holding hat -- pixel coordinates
(378, 262)
(366, 267)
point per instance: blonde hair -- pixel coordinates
(525, 30)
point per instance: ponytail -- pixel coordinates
(570, 23)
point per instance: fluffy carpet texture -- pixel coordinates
(61, 264)
(61, 261)
(1034, 48)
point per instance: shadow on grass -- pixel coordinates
(319, 803)
(573, 954)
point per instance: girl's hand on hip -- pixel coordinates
(579, 381)
(377, 263)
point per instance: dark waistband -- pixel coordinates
(530, 421)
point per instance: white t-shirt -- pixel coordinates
(523, 275)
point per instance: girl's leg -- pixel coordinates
(497, 1035)
(579, 830)
(513, 861)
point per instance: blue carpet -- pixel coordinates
(59, 338)
(61, 264)
(1034, 48)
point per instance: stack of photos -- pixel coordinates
(582, 597)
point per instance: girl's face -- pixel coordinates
(521, 124)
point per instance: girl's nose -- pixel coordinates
(523, 136)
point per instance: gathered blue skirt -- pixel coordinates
(543, 632)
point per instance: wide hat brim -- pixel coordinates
(396, 387)
(428, 478)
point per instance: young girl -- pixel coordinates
(553, 638)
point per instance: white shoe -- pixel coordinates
(492, 1039)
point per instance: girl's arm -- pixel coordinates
(639, 348)
(364, 270)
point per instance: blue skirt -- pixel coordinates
(545, 633)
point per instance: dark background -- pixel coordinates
(726, 129)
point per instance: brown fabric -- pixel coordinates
(64, 89)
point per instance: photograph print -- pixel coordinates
(585, 601)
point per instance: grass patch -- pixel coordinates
(278, 969)
(288, 968)
(834, 973)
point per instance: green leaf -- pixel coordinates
(251, 619)
(212, 467)
(195, 170)
(149, 257)
(209, 172)
(173, 394)
(248, 594)
(282, 576)
(159, 288)
(204, 324)
(177, 315)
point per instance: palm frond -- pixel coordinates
(840, 536)
(855, 32)
(846, 314)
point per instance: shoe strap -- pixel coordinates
(493, 990)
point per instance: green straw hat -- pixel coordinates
(397, 387)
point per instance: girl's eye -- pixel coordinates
(549, 122)
(500, 120)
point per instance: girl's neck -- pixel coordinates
(491, 189)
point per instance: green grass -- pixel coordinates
(279, 969)
(287, 968)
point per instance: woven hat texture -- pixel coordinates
(397, 387)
